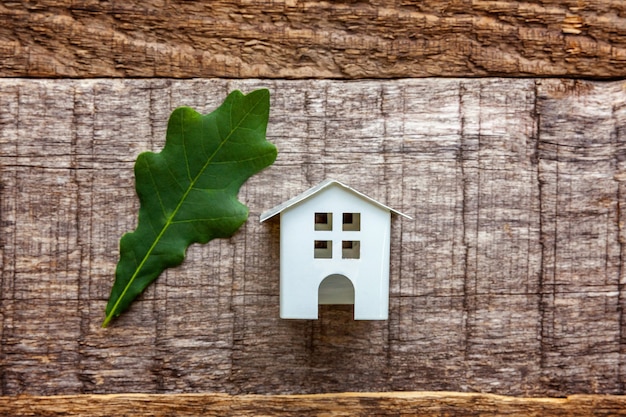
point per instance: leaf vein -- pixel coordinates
(182, 133)
(156, 188)
(210, 219)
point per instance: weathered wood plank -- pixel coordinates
(417, 404)
(581, 247)
(304, 39)
(510, 279)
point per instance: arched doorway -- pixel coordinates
(336, 289)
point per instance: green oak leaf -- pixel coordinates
(188, 191)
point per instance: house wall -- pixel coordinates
(301, 273)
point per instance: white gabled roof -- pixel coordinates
(314, 190)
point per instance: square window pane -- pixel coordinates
(351, 249)
(323, 249)
(323, 221)
(351, 222)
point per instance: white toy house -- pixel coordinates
(334, 249)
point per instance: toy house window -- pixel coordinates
(323, 249)
(323, 221)
(351, 222)
(351, 249)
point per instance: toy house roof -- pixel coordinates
(314, 190)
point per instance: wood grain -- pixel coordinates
(416, 404)
(510, 280)
(310, 39)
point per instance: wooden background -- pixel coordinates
(313, 39)
(507, 281)
(510, 280)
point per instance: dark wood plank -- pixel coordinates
(509, 280)
(304, 39)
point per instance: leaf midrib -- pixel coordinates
(169, 221)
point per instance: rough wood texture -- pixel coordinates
(414, 404)
(510, 280)
(300, 39)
